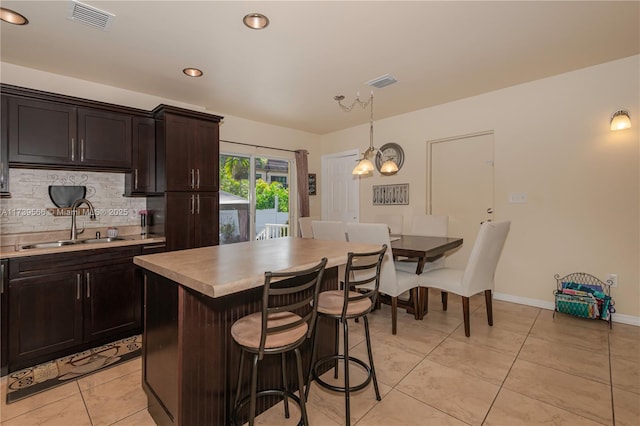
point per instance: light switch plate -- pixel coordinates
(517, 197)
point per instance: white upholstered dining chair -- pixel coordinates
(392, 283)
(306, 231)
(477, 276)
(329, 230)
(393, 221)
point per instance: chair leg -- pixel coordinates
(394, 314)
(301, 391)
(424, 301)
(285, 386)
(313, 359)
(370, 353)
(337, 343)
(445, 298)
(488, 301)
(239, 382)
(416, 302)
(254, 390)
(347, 402)
(465, 314)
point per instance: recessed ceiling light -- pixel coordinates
(192, 72)
(256, 21)
(8, 15)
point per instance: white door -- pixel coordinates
(461, 187)
(340, 189)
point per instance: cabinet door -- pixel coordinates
(113, 301)
(4, 316)
(45, 316)
(180, 173)
(206, 224)
(41, 132)
(205, 155)
(179, 220)
(4, 146)
(142, 178)
(105, 139)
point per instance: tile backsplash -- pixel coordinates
(26, 210)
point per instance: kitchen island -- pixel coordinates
(193, 297)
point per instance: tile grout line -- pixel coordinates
(86, 408)
(613, 409)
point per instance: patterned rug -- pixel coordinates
(24, 383)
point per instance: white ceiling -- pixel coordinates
(288, 73)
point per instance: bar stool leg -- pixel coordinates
(345, 327)
(285, 386)
(337, 346)
(373, 369)
(254, 390)
(303, 402)
(239, 383)
(313, 359)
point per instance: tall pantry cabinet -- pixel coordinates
(187, 152)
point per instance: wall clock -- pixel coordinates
(390, 151)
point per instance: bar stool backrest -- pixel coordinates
(362, 276)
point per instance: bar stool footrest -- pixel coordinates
(266, 392)
(352, 388)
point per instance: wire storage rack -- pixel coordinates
(584, 295)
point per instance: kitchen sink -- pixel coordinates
(63, 243)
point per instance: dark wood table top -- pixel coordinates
(422, 246)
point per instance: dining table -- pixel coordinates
(423, 249)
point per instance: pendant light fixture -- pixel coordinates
(365, 164)
(620, 120)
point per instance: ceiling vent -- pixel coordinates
(382, 81)
(89, 15)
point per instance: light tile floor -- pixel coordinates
(527, 369)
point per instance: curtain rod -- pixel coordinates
(258, 146)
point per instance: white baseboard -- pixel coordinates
(621, 318)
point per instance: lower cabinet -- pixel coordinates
(4, 316)
(65, 303)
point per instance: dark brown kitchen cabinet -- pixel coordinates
(45, 316)
(68, 302)
(42, 132)
(4, 147)
(112, 301)
(55, 131)
(142, 179)
(191, 147)
(104, 139)
(4, 316)
(191, 220)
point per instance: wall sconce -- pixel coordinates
(620, 120)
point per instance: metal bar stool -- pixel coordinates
(355, 300)
(287, 319)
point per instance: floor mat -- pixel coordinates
(24, 383)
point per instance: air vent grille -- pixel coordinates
(382, 81)
(89, 15)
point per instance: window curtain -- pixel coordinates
(302, 178)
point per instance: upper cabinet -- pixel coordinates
(57, 134)
(55, 131)
(4, 148)
(189, 142)
(142, 179)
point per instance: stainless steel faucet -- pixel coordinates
(74, 211)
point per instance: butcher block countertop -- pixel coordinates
(223, 270)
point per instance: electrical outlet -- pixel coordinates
(614, 279)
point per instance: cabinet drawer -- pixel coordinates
(38, 265)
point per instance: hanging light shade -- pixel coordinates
(365, 166)
(620, 120)
(389, 167)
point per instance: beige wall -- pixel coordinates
(552, 141)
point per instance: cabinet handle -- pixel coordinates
(88, 285)
(81, 150)
(198, 178)
(78, 286)
(135, 180)
(2, 277)
(198, 204)
(192, 203)
(73, 149)
(2, 174)
(192, 174)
